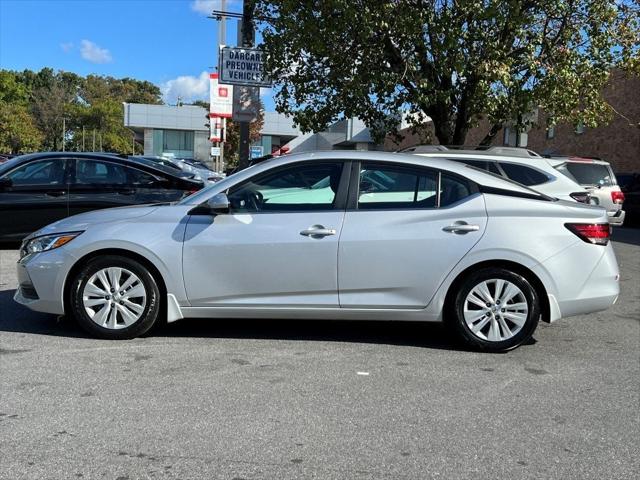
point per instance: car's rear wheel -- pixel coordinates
(495, 310)
(115, 297)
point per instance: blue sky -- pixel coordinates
(168, 42)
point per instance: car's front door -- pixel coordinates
(34, 194)
(278, 246)
(405, 229)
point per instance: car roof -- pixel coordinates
(576, 159)
(476, 175)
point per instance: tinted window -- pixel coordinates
(385, 186)
(591, 173)
(483, 164)
(106, 173)
(45, 172)
(452, 190)
(297, 188)
(525, 175)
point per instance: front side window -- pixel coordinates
(524, 175)
(45, 172)
(389, 186)
(302, 187)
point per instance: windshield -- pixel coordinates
(588, 173)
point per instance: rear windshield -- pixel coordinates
(588, 173)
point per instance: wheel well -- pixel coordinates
(506, 264)
(122, 253)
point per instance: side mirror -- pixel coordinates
(5, 182)
(218, 204)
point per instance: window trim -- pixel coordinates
(354, 188)
(340, 200)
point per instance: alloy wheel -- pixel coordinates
(495, 310)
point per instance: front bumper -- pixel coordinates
(41, 279)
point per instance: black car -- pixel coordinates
(40, 188)
(630, 185)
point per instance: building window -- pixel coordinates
(551, 132)
(175, 140)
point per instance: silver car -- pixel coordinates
(344, 235)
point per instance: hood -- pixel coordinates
(85, 220)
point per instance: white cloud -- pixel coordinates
(205, 7)
(187, 87)
(93, 53)
(66, 47)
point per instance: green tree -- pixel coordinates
(454, 61)
(18, 131)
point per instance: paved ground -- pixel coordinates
(278, 400)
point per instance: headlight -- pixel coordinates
(46, 242)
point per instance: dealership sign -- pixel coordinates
(221, 98)
(242, 66)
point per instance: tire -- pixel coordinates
(487, 323)
(136, 302)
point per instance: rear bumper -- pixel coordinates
(616, 217)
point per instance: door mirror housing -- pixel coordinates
(5, 182)
(216, 205)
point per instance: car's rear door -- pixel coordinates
(36, 195)
(405, 229)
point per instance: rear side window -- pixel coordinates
(489, 166)
(524, 175)
(452, 190)
(388, 186)
(590, 173)
(94, 172)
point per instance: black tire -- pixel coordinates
(464, 332)
(149, 314)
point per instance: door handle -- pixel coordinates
(318, 231)
(57, 193)
(461, 228)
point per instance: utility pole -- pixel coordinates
(247, 41)
(94, 140)
(222, 40)
(64, 130)
(83, 138)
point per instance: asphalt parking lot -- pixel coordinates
(240, 399)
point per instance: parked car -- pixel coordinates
(192, 170)
(522, 166)
(40, 188)
(598, 178)
(630, 185)
(390, 238)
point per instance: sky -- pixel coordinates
(171, 43)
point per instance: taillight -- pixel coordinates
(617, 197)
(582, 197)
(596, 233)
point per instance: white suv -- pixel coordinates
(518, 164)
(598, 178)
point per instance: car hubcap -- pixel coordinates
(495, 310)
(114, 298)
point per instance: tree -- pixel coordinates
(18, 132)
(454, 61)
(232, 144)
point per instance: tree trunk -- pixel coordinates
(495, 128)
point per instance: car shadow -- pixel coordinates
(626, 235)
(17, 318)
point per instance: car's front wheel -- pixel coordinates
(115, 297)
(495, 310)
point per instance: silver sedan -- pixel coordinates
(344, 235)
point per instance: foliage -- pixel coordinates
(232, 144)
(451, 60)
(18, 132)
(94, 102)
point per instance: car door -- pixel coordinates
(34, 194)
(278, 246)
(405, 229)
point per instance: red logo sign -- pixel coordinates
(223, 92)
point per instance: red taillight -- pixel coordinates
(582, 197)
(617, 197)
(596, 233)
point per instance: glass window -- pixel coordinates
(97, 172)
(46, 172)
(452, 190)
(589, 173)
(387, 186)
(524, 175)
(483, 164)
(177, 140)
(309, 186)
